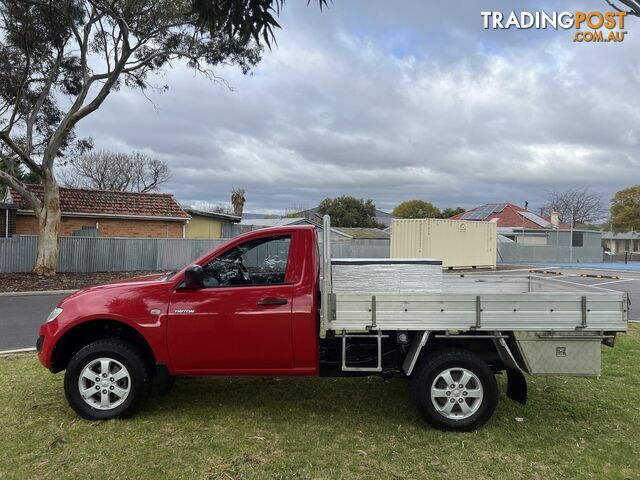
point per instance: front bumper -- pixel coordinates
(45, 342)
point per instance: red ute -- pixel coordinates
(252, 307)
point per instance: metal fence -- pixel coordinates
(96, 254)
(360, 249)
(515, 253)
(100, 254)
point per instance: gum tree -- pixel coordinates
(60, 60)
(630, 7)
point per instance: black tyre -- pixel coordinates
(107, 379)
(455, 390)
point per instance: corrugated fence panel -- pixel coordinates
(176, 253)
(99, 254)
(18, 253)
(514, 253)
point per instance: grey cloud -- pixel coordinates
(392, 104)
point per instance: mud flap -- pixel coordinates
(516, 386)
(163, 380)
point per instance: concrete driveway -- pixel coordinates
(21, 315)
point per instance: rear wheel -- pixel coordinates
(455, 390)
(107, 379)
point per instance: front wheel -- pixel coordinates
(107, 379)
(455, 390)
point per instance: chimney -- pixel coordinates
(555, 220)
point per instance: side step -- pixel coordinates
(379, 336)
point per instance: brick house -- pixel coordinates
(103, 213)
(512, 218)
(527, 228)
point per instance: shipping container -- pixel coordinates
(458, 243)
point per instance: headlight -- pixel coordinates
(53, 315)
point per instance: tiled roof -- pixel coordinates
(106, 202)
(511, 217)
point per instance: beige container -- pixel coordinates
(458, 243)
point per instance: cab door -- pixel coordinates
(240, 322)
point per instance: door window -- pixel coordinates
(262, 261)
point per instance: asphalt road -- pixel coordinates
(21, 316)
(628, 282)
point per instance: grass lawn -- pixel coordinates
(327, 428)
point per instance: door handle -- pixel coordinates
(272, 301)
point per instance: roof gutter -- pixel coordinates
(113, 215)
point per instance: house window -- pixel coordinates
(577, 240)
(7, 222)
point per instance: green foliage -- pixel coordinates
(450, 212)
(244, 19)
(16, 170)
(625, 209)
(416, 209)
(350, 212)
(422, 209)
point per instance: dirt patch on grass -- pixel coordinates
(29, 282)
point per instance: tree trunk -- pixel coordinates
(49, 219)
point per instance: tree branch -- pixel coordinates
(40, 101)
(77, 110)
(27, 160)
(16, 184)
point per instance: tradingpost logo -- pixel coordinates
(590, 27)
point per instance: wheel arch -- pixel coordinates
(87, 332)
(422, 348)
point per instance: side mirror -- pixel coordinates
(193, 277)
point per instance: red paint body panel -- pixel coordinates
(228, 331)
(213, 331)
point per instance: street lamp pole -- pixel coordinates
(571, 239)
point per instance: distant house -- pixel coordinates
(337, 233)
(529, 229)
(209, 225)
(383, 218)
(515, 223)
(87, 212)
(619, 243)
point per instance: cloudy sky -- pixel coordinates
(395, 100)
